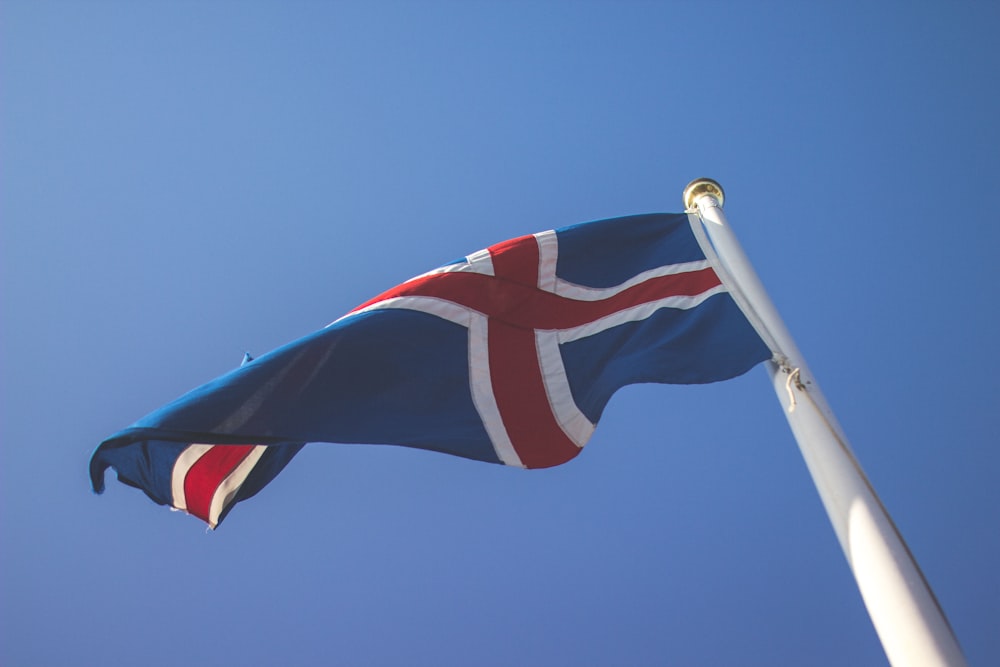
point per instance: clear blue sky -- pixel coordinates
(181, 182)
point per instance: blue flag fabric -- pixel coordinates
(507, 356)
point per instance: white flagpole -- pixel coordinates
(906, 615)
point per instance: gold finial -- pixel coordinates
(699, 187)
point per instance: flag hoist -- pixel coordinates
(907, 617)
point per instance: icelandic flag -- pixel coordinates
(507, 356)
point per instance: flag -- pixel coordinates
(509, 356)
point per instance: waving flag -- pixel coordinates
(507, 356)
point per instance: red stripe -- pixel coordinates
(530, 307)
(208, 472)
(515, 371)
(520, 394)
(516, 261)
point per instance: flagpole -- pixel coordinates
(907, 617)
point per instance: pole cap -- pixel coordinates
(702, 186)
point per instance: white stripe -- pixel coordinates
(548, 258)
(574, 423)
(182, 465)
(478, 262)
(231, 484)
(481, 261)
(480, 380)
(582, 293)
(447, 310)
(481, 385)
(636, 313)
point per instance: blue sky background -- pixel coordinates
(181, 182)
